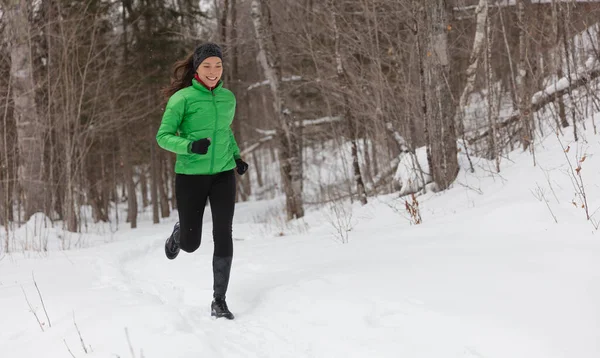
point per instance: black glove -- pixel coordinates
(200, 146)
(241, 166)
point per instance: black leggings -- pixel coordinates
(192, 191)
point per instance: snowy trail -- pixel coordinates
(488, 274)
(418, 294)
(306, 310)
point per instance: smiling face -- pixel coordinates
(210, 71)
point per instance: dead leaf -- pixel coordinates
(567, 150)
(578, 169)
(582, 159)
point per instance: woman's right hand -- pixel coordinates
(200, 146)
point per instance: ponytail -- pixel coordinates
(183, 73)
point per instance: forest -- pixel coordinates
(333, 96)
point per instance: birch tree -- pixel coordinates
(524, 78)
(270, 61)
(29, 133)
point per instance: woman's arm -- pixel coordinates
(236, 149)
(167, 137)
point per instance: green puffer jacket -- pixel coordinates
(194, 113)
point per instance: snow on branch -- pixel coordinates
(303, 124)
(323, 120)
(399, 139)
(408, 172)
(267, 82)
(548, 95)
(269, 134)
(256, 145)
(505, 3)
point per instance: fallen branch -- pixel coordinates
(256, 145)
(270, 134)
(266, 82)
(384, 175)
(543, 98)
(509, 3)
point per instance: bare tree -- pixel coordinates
(440, 124)
(29, 132)
(348, 113)
(270, 61)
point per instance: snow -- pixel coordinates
(301, 123)
(407, 174)
(488, 273)
(502, 3)
(266, 82)
(323, 120)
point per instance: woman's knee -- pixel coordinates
(190, 241)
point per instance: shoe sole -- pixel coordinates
(169, 254)
(214, 314)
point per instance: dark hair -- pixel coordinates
(183, 73)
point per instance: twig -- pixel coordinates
(129, 343)
(32, 310)
(543, 197)
(79, 333)
(574, 175)
(69, 349)
(550, 185)
(41, 299)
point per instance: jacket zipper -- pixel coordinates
(214, 139)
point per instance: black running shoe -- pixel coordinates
(219, 309)
(172, 245)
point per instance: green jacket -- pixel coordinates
(194, 113)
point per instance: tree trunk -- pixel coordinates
(420, 36)
(144, 188)
(568, 59)
(558, 27)
(155, 183)
(95, 192)
(471, 73)
(29, 132)
(270, 61)
(132, 205)
(244, 189)
(524, 78)
(223, 22)
(163, 185)
(493, 97)
(442, 133)
(349, 115)
(257, 170)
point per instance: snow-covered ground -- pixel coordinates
(489, 273)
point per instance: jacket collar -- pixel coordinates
(199, 86)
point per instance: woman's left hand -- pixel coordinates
(241, 166)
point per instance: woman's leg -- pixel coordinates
(191, 192)
(222, 204)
